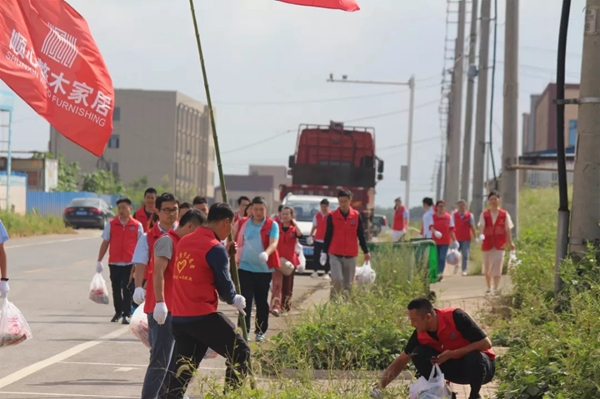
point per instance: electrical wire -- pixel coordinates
(400, 111)
(259, 142)
(405, 144)
(324, 100)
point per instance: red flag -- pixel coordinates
(49, 58)
(344, 5)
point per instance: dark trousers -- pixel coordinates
(162, 359)
(475, 369)
(193, 338)
(255, 287)
(121, 290)
(318, 247)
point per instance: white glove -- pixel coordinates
(454, 245)
(323, 259)
(239, 302)
(139, 295)
(99, 267)
(4, 288)
(376, 394)
(310, 240)
(437, 234)
(263, 257)
(480, 238)
(160, 312)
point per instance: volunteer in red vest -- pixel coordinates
(496, 226)
(119, 239)
(144, 214)
(243, 203)
(201, 277)
(257, 238)
(442, 231)
(278, 216)
(317, 239)
(464, 229)
(345, 231)
(427, 219)
(4, 288)
(201, 203)
(400, 225)
(162, 353)
(449, 338)
(283, 286)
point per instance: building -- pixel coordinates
(251, 186)
(163, 135)
(279, 173)
(42, 172)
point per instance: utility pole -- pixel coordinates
(452, 190)
(465, 179)
(438, 185)
(586, 180)
(481, 116)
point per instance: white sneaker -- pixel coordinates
(494, 293)
(464, 273)
(488, 292)
(326, 277)
(456, 269)
(314, 275)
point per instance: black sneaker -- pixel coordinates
(116, 318)
(126, 320)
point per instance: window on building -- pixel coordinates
(572, 132)
(117, 114)
(114, 141)
(115, 168)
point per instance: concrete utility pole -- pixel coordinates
(465, 179)
(481, 116)
(509, 185)
(586, 180)
(452, 185)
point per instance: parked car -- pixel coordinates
(87, 212)
(380, 225)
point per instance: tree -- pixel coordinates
(68, 174)
(101, 182)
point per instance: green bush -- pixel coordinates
(32, 224)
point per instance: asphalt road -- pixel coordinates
(75, 351)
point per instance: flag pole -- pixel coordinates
(234, 269)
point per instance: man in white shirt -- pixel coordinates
(4, 288)
(427, 217)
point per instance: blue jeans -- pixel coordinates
(442, 252)
(465, 249)
(162, 365)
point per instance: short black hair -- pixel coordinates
(164, 197)
(193, 216)
(344, 194)
(150, 190)
(422, 306)
(292, 211)
(280, 208)
(440, 202)
(125, 200)
(428, 201)
(324, 201)
(493, 193)
(199, 200)
(220, 211)
(258, 200)
(242, 198)
(185, 205)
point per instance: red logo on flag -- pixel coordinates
(49, 58)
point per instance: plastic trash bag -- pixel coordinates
(301, 268)
(513, 261)
(453, 257)
(98, 290)
(365, 274)
(13, 326)
(434, 388)
(138, 325)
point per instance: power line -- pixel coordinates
(324, 100)
(400, 111)
(259, 142)
(414, 142)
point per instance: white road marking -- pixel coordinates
(124, 369)
(35, 244)
(33, 368)
(132, 365)
(66, 395)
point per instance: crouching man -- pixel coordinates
(449, 338)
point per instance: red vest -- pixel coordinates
(168, 276)
(237, 218)
(321, 226)
(287, 245)
(442, 224)
(462, 226)
(152, 235)
(123, 239)
(194, 290)
(345, 239)
(265, 232)
(399, 222)
(449, 337)
(495, 233)
(140, 215)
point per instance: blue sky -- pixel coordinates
(268, 63)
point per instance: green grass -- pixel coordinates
(32, 224)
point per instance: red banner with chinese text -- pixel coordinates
(49, 58)
(344, 5)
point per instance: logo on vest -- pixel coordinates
(452, 335)
(353, 222)
(183, 261)
(131, 228)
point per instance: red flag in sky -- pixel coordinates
(49, 58)
(344, 5)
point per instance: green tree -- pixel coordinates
(68, 174)
(101, 182)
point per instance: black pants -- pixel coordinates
(318, 247)
(475, 369)
(192, 340)
(121, 290)
(255, 287)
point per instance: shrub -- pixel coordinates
(32, 224)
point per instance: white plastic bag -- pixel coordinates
(98, 290)
(13, 326)
(138, 325)
(365, 274)
(301, 268)
(434, 388)
(453, 257)
(513, 261)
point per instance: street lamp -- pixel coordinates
(411, 86)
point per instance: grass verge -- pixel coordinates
(32, 225)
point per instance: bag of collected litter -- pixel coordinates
(98, 290)
(434, 388)
(301, 268)
(453, 257)
(138, 325)
(513, 261)
(365, 274)
(13, 326)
